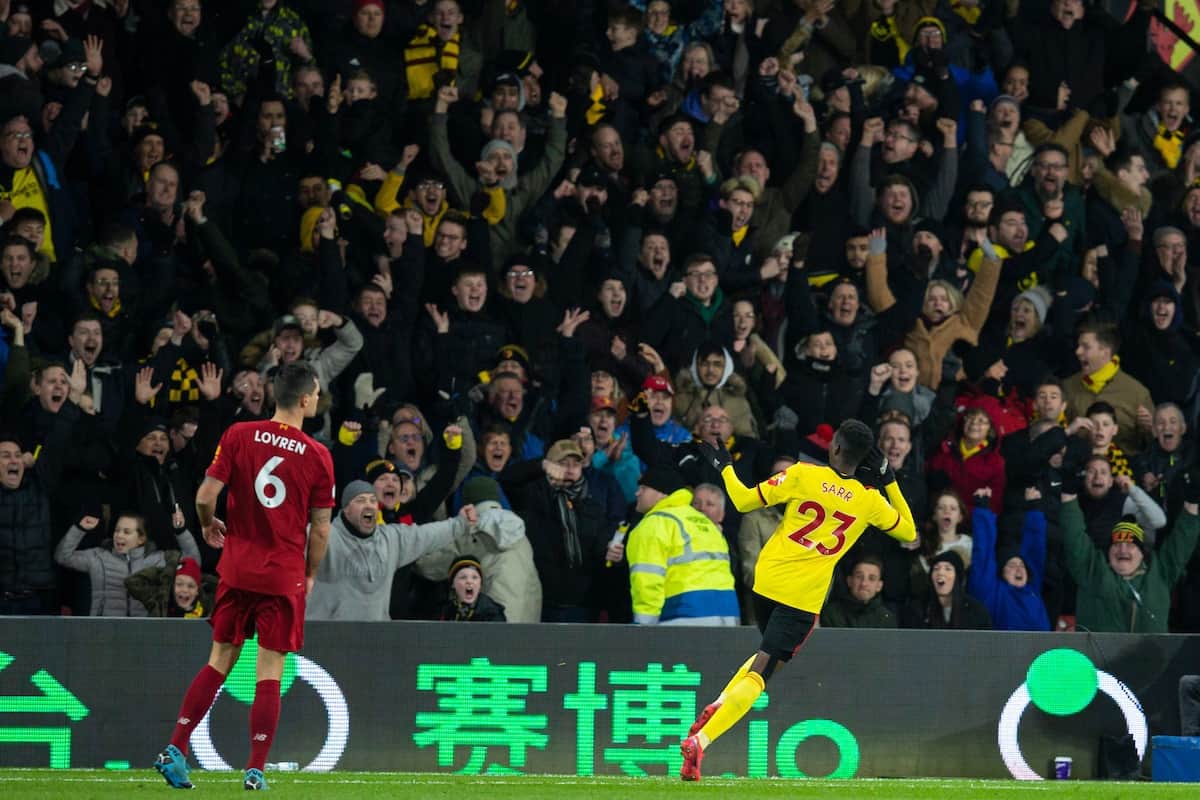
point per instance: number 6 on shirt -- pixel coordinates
(819, 513)
(264, 478)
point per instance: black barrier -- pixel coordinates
(590, 700)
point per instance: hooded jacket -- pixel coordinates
(731, 393)
(679, 567)
(1167, 361)
(1011, 608)
(109, 570)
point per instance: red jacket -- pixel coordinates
(985, 468)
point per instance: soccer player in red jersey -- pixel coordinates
(279, 480)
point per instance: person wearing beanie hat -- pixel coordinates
(353, 489)
(186, 599)
(507, 93)
(660, 481)
(500, 158)
(514, 358)
(1125, 590)
(481, 489)
(828, 508)
(176, 589)
(500, 545)
(354, 580)
(591, 176)
(1009, 581)
(815, 446)
(1039, 299)
(468, 602)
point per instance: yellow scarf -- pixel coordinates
(116, 309)
(1096, 382)
(884, 29)
(196, 613)
(595, 112)
(27, 193)
(969, 14)
(1169, 145)
(739, 235)
(425, 55)
(308, 226)
(185, 383)
(497, 204)
(1118, 461)
(966, 451)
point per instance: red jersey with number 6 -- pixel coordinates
(275, 473)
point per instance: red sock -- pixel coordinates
(264, 718)
(196, 703)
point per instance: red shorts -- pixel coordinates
(277, 619)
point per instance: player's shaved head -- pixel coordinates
(851, 444)
(292, 382)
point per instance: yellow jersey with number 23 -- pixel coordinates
(825, 515)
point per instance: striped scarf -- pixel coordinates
(426, 55)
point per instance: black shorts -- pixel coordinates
(784, 629)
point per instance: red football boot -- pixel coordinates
(693, 754)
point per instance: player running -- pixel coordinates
(279, 480)
(828, 508)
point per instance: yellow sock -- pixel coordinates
(738, 700)
(737, 676)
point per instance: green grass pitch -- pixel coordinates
(20, 784)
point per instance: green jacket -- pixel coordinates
(1108, 603)
(529, 188)
(849, 613)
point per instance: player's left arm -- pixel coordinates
(904, 528)
(318, 541)
(745, 498)
(206, 508)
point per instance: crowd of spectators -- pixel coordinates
(537, 250)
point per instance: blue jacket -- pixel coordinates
(1012, 609)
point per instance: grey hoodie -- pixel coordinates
(354, 581)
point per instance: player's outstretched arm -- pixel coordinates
(906, 528)
(744, 499)
(318, 542)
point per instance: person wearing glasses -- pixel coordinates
(26, 171)
(677, 326)
(1048, 197)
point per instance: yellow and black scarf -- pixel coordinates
(426, 55)
(1169, 145)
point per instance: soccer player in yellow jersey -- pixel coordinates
(828, 508)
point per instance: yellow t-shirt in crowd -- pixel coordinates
(825, 515)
